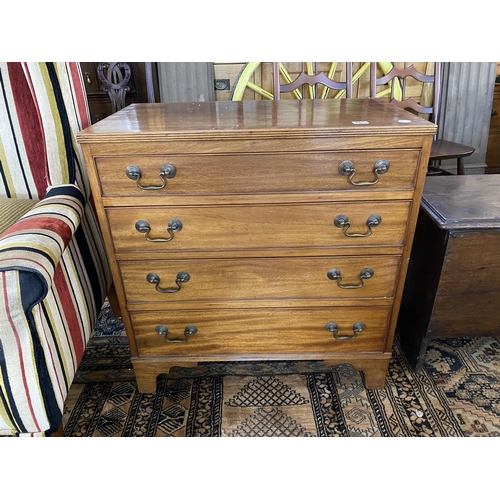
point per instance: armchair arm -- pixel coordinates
(36, 242)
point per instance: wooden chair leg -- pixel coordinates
(113, 301)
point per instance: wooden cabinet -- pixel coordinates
(493, 151)
(259, 230)
(492, 158)
(453, 282)
(100, 104)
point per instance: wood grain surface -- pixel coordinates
(300, 172)
(234, 227)
(260, 279)
(260, 331)
(261, 120)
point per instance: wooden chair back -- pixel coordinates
(397, 81)
(309, 82)
(115, 78)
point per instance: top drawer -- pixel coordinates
(261, 173)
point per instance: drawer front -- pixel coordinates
(257, 173)
(259, 279)
(216, 228)
(261, 331)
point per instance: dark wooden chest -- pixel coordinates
(452, 287)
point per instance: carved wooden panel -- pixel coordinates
(98, 96)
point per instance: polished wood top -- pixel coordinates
(256, 119)
(447, 150)
(463, 201)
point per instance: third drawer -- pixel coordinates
(253, 279)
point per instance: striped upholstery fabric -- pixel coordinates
(54, 275)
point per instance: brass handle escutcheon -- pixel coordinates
(188, 331)
(366, 273)
(174, 226)
(182, 277)
(356, 328)
(167, 171)
(342, 221)
(380, 168)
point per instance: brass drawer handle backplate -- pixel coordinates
(366, 273)
(356, 328)
(342, 221)
(347, 168)
(174, 226)
(167, 171)
(188, 331)
(182, 277)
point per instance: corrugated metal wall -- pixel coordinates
(186, 81)
(466, 100)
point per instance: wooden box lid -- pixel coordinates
(464, 201)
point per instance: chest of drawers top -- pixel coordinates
(263, 120)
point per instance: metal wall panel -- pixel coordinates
(467, 97)
(186, 81)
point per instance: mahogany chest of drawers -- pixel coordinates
(258, 230)
(452, 287)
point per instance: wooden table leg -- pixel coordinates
(460, 166)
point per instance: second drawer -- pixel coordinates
(242, 227)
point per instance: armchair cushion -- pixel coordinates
(12, 209)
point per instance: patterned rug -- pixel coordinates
(457, 393)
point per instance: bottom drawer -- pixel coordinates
(262, 331)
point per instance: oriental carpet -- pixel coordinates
(457, 393)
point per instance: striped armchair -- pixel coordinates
(54, 275)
